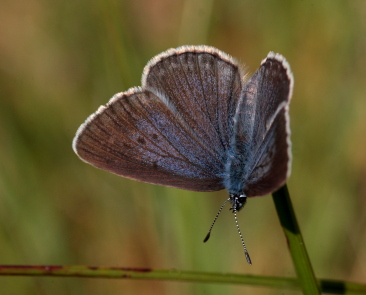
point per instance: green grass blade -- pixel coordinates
(327, 286)
(295, 241)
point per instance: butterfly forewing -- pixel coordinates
(202, 85)
(261, 144)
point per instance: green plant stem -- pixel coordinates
(296, 245)
(327, 286)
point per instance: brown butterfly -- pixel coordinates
(197, 123)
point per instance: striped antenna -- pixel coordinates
(241, 237)
(217, 215)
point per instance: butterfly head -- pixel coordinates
(237, 201)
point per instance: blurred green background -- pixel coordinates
(60, 60)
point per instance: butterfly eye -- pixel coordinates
(242, 199)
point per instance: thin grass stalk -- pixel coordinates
(295, 242)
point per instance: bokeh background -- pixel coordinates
(60, 60)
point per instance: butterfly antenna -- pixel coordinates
(241, 237)
(217, 215)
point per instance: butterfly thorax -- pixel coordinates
(236, 173)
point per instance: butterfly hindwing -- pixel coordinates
(272, 165)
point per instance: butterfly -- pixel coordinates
(199, 123)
